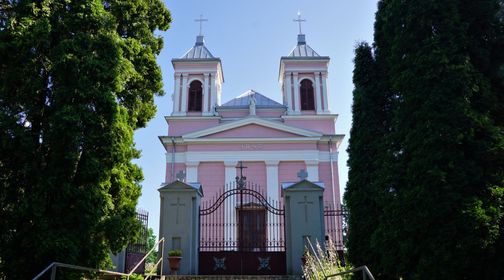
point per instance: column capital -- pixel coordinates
(311, 162)
(206, 75)
(230, 163)
(192, 163)
(271, 162)
(185, 75)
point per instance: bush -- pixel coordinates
(329, 263)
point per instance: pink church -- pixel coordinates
(278, 143)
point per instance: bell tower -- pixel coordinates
(303, 79)
(198, 81)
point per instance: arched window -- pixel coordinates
(195, 96)
(307, 98)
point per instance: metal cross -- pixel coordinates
(241, 179)
(177, 205)
(305, 202)
(181, 176)
(299, 20)
(302, 174)
(201, 20)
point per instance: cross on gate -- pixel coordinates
(302, 174)
(306, 202)
(181, 176)
(201, 20)
(299, 20)
(177, 205)
(241, 179)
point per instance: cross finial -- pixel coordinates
(302, 174)
(299, 20)
(181, 176)
(201, 20)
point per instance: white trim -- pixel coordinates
(235, 156)
(337, 138)
(251, 120)
(190, 118)
(312, 117)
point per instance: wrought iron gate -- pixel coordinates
(242, 233)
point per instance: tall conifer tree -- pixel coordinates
(76, 79)
(444, 63)
(369, 126)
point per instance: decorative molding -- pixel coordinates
(251, 120)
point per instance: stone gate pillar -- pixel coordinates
(304, 217)
(179, 223)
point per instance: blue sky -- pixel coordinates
(250, 37)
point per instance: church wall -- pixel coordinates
(179, 127)
(325, 176)
(256, 174)
(252, 130)
(178, 167)
(287, 171)
(323, 126)
(211, 177)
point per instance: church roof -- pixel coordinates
(302, 49)
(198, 51)
(243, 100)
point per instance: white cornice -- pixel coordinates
(191, 118)
(234, 156)
(251, 120)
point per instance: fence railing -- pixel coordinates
(55, 265)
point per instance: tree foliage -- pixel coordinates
(440, 188)
(76, 79)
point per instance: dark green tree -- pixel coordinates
(76, 79)
(444, 164)
(366, 151)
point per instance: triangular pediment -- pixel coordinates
(252, 127)
(303, 185)
(181, 186)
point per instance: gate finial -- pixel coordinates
(241, 180)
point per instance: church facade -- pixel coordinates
(275, 144)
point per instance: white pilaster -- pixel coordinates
(183, 106)
(288, 91)
(176, 95)
(205, 95)
(192, 171)
(272, 191)
(297, 104)
(318, 97)
(230, 223)
(272, 179)
(324, 91)
(213, 90)
(312, 169)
